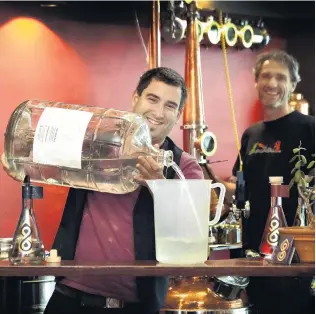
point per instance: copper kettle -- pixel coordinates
(206, 295)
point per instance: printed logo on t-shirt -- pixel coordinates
(260, 148)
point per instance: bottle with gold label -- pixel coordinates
(276, 218)
(27, 246)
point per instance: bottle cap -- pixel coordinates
(53, 257)
(276, 180)
(29, 191)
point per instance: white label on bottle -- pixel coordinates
(59, 136)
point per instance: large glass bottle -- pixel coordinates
(78, 146)
(27, 246)
(276, 218)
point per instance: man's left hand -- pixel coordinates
(149, 170)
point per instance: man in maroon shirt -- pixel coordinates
(116, 228)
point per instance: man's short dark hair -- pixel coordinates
(165, 75)
(281, 57)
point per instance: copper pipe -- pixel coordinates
(187, 294)
(155, 37)
(193, 116)
(193, 110)
(196, 141)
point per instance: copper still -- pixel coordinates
(297, 102)
(199, 142)
(201, 295)
(196, 140)
(221, 295)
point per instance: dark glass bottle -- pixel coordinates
(27, 246)
(276, 218)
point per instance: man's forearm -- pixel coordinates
(230, 188)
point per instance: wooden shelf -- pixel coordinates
(233, 267)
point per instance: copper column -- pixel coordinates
(154, 57)
(195, 294)
(196, 141)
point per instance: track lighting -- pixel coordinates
(237, 34)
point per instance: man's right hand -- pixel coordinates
(5, 166)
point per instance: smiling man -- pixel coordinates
(266, 150)
(160, 103)
(267, 146)
(110, 228)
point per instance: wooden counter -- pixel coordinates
(233, 267)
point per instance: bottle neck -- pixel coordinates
(276, 201)
(276, 195)
(27, 204)
(163, 157)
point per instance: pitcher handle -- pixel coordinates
(219, 204)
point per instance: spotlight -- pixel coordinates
(214, 32)
(49, 5)
(230, 32)
(179, 31)
(261, 37)
(246, 35)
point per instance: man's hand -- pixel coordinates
(149, 170)
(5, 166)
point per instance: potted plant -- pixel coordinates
(302, 181)
(303, 175)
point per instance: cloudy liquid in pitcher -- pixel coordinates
(190, 250)
(170, 248)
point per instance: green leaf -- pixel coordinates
(298, 176)
(303, 183)
(293, 158)
(303, 159)
(293, 170)
(298, 165)
(296, 150)
(312, 172)
(309, 179)
(311, 164)
(291, 183)
(313, 197)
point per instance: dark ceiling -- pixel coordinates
(95, 9)
(280, 13)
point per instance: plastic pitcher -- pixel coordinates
(182, 211)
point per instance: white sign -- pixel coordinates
(59, 136)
